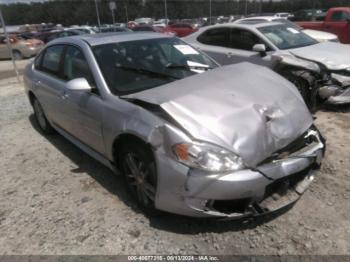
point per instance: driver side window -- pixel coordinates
(243, 39)
(76, 66)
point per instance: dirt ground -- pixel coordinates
(54, 199)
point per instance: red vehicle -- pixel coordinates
(181, 30)
(337, 21)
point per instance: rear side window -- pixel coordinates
(76, 66)
(51, 59)
(340, 16)
(216, 37)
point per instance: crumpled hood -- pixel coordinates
(332, 55)
(245, 108)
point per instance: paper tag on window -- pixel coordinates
(186, 49)
(292, 30)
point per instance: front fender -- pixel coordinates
(286, 60)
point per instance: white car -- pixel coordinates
(320, 36)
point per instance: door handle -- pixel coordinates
(229, 54)
(64, 95)
(37, 83)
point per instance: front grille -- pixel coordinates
(302, 142)
(238, 206)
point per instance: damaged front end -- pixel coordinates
(334, 88)
(275, 184)
(241, 148)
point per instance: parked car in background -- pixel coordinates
(309, 15)
(21, 48)
(320, 71)
(180, 29)
(85, 29)
(146, 28)
(284, 15)
(131, 24)
(161, 23)
(188, 136)
(144, 21)
(320, 36)
(49, 36)
(113, 29)
(337, 21)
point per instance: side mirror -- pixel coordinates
(79, 84)
(260, 48)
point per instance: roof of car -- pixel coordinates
(114, 37)
(266, 18)
(244, 26)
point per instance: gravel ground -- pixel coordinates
(54, 199)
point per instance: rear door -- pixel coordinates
(48, 84)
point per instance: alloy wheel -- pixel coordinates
(139, 179)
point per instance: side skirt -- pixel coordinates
(88, 150)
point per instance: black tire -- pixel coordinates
(304, 87)
(136, 162)
(17, 55)
(41, 119)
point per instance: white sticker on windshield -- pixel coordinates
(293, 30)
(186, 49)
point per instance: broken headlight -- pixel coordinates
(207, 157)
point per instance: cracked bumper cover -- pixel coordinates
(338, 93)
(342, 98)
(195, 193)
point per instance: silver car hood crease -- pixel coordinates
(332, 55)
(251, 116)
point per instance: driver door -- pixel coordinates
(242, 42)
(85, 109)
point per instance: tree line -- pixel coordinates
(84, 12)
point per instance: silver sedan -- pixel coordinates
(319, 70)
(189, 137)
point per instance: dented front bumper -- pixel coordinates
(342, 98)
(270, 187)
(337, 92)
(335, 95)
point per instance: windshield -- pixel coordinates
(134, 66)
(286, 37)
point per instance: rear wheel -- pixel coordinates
(41, 119)
(138, 167)
(17, 55)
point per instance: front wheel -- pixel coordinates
(138, 167)
(304, 86)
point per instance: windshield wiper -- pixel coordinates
(145, 71)
(187, 67)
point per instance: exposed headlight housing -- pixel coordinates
(207, 157)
